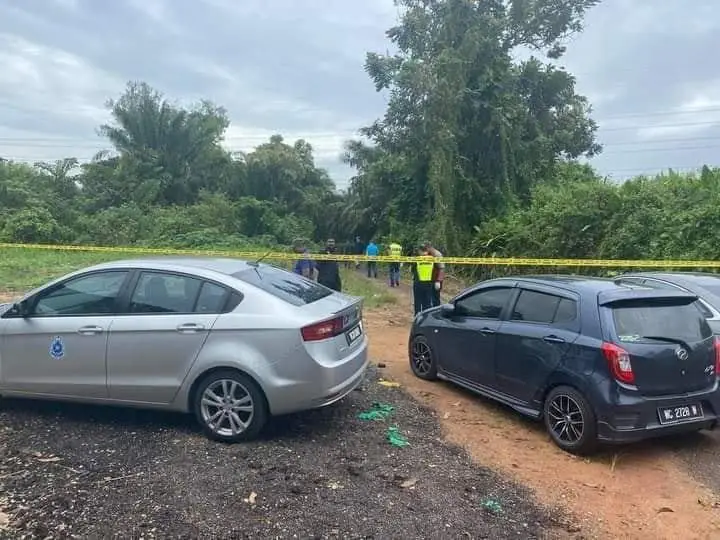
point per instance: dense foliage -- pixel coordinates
(169, 182)
(477, 150)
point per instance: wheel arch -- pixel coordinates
(194, 387)
(562, 378)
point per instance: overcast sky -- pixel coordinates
(296, 67)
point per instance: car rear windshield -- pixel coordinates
(672, 320)
(291, 288)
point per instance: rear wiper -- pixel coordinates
(668, 339)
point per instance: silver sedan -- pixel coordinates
(230, 341)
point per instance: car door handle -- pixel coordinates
(487, 330)
(90, 330)
(553, 339)
(190, 327)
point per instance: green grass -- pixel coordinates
(375, 292)
(22, 269)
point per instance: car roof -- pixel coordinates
(684, 279)
(222, 265)
(671, 275)
(570, 282)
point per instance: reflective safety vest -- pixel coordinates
(425, 268)
(395, 250)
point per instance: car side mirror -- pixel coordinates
(21, 308)
(447, 309)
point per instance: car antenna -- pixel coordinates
(255, 263)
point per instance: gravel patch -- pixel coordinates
(77, 471)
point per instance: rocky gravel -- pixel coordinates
(71, 471)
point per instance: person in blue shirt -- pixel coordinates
(305, 266)
(372, 251)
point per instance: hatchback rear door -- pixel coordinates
(668, 340)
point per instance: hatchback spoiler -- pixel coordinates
(624, 294)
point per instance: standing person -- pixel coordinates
(372, 251)
(329, 271)
(304, 266)
(438, 271)
(422, 272)
(395, 251)
(359, 250)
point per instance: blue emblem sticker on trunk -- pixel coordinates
(57, 348)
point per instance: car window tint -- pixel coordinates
(92, 294)
(566, 311)
(292, 288)
(655, 284)
(535, 307)
(156, 292)
(664, 319)
(212, 298)
(487, 304)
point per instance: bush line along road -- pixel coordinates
(67, 467)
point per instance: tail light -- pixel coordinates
(322, 330)
(618, 361)
(717, 356)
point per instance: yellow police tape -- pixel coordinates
(478, 261)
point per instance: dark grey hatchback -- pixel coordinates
(598, 361)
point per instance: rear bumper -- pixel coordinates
(320, 385)
(634, 418)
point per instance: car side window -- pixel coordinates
(543, 308)
(94, 294)
(212, 298)
(566, 311)
(630, 281)
(157, 292)
(486, 304)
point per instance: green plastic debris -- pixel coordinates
(378, 411)
(492, 506)
(396, 438)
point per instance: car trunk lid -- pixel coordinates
(669, 344)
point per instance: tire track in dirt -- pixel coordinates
(641, 491)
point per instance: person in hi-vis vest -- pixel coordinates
(423, 282)
(395, 251)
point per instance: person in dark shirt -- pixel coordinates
(304, 266)
(329, 271)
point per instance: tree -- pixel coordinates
(474, 129)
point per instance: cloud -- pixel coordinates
(296, 68)
(50, 81)
(154, 13)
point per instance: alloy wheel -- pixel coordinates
(421, 357)
(566, 419)
(227, 407)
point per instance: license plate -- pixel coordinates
(354, 334)
(672, 415)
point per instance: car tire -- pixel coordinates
(564, 407)
(423, 362)
(230, 407)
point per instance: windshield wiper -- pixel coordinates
(668, 340)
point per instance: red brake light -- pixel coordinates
(717, 356)
(618, 361)
(322, 330)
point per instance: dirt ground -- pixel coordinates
(69, 471)
(666, 488)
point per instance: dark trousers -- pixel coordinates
(372, 269)
(394, 274)
(334, 284)
(423, 295)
